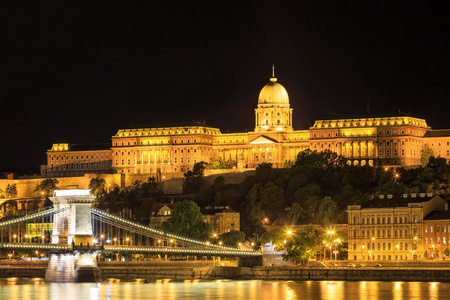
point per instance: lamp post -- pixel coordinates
(331, 232)
(335, 254)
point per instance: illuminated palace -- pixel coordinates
(395, 140)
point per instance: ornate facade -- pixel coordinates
(391, 228)
(388, 140)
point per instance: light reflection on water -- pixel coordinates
(223, 289)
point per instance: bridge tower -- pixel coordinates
(74, 223)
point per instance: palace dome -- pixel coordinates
(273, 93)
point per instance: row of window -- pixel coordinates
(383, 247)
(175, 160)
(438, 240)
(87, 165)
(175, 151)
(384, 220)
(76, 157)
(383, 233)
(438, 228)
(364, 133)
(175, 141)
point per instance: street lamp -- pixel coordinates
(37, 255)
(127, 239)
(335, 254)
(115, 241)
(159, 243)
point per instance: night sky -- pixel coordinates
(77, 73)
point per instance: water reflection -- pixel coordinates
(222, 289)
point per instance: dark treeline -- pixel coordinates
(316, 189)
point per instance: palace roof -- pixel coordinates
(437, 133)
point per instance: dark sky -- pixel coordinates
(76, 73)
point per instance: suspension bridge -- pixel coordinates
(73, 225)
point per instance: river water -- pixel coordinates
(37, 289)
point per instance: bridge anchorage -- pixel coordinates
(75, 234)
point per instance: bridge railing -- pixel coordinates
(146, 230)
(40, 214)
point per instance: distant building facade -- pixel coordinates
(72, 160)
(222, 218)
(387, 140)
(437, 233)
(390, 228)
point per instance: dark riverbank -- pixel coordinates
(189, 271)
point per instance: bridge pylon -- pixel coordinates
(75, 223)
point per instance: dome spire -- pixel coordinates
(273, 79)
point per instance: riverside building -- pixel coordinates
(391, 228)
(385, 140)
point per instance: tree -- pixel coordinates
(302, 247)
(276, 236)
(187, 221)
(194, 178)
(232, 238)
(426, 154)
(97, 187)
(447, 252)
(47, 186)
(11, 190)
(219, 163)
(328, 211)
(296, 213)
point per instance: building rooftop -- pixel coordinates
(216, 209)
(79, 147)
(157, 207)
(437, 133)
(394, 202)
(438, 215)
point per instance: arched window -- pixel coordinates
(415, 218)
(406, 246)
